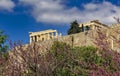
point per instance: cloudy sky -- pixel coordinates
(18, 17)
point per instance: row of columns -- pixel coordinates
(42, 37)
(94, 27)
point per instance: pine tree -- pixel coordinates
(3, 38)
(74, 28)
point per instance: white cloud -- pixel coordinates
(7, 5)
(55, 12)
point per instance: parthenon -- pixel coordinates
(92, 25)
(43, 35)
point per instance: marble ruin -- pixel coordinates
(92, 25)
(43, 35)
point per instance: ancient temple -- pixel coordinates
(43, 35)
(92, 25)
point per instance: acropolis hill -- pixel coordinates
(84, 38)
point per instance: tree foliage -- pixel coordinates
(3, 38)
(74, 28)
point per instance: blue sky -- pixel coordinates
(18, 17)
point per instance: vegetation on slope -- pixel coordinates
(62, 60)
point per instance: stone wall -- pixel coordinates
(79, 39)
(85, 38)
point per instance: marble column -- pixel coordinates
(37, 38)
(41, 36)
(31, 38)
(56, 34)
(93, 27)
(48, 36)
(52, 34)
(45, 36)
